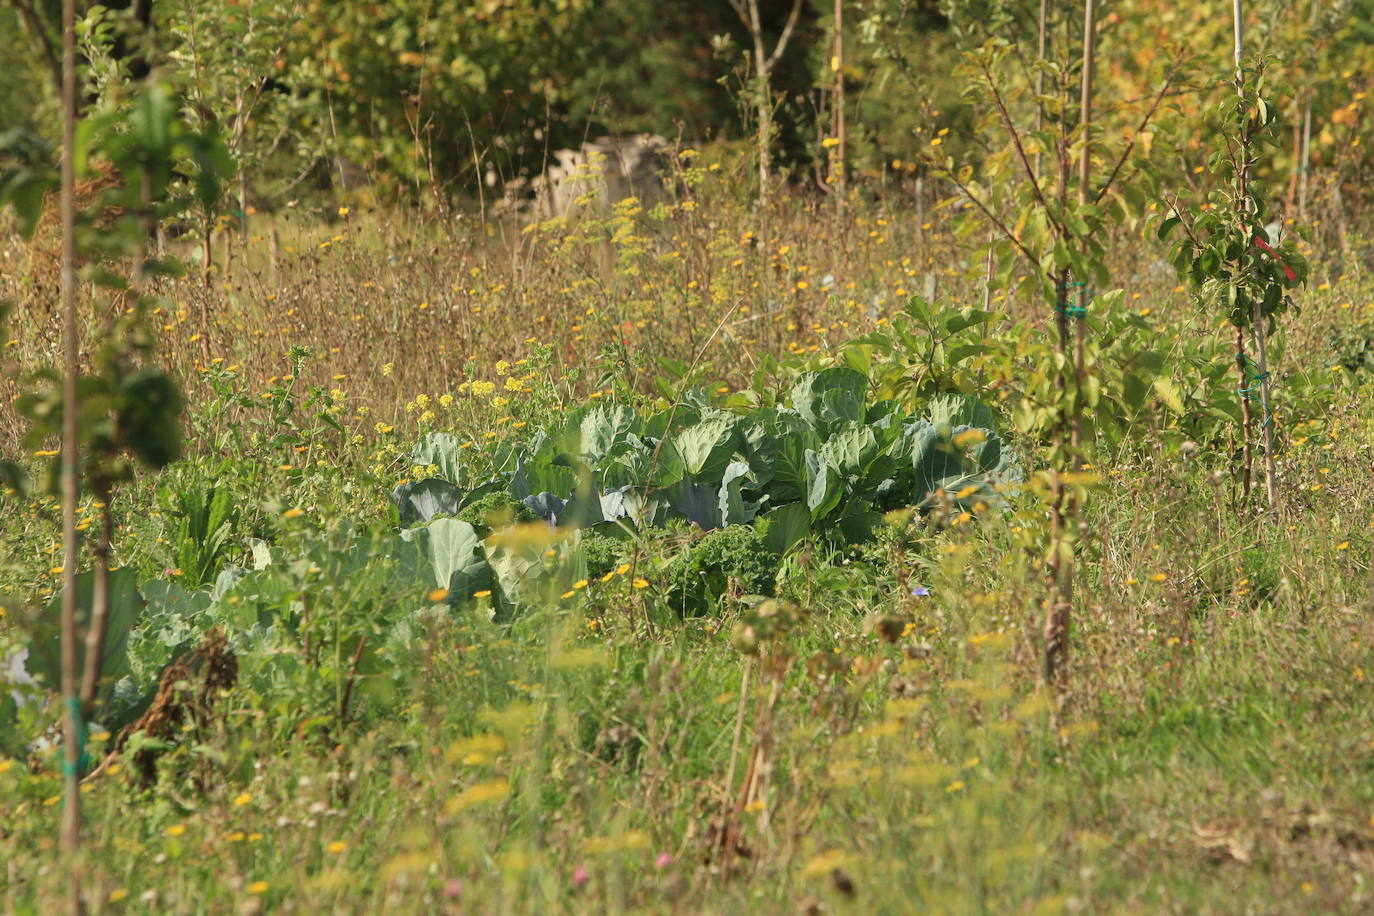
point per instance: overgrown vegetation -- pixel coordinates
(716, 552)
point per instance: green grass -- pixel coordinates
(1215, 751)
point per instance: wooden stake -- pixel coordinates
(837, 164)
(1085, 120)
(1247, 422)
(1257, 315)
(1040, 83)
(1306, 156)
(71, 429)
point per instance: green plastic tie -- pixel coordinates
(1073, 311)
(1257, 380)
(70, 769)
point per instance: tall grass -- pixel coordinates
(1213, 754)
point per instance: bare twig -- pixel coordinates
(1130, 145)
(1015, 136)
(992, 218)
(786, 31)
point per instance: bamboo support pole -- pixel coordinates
(1257, 315)
(71, 427)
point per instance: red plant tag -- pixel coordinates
(1287, 271)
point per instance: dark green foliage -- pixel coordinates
(601, 553)
(828, 465)
(513, 80)
(27, 174)
(495, 510)
(205, 522)
(731, 560)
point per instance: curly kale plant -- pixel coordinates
(495, 510)
(729, 560)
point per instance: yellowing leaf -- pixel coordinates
(1168, 393)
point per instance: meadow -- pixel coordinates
(972, 519)
(879, 742)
